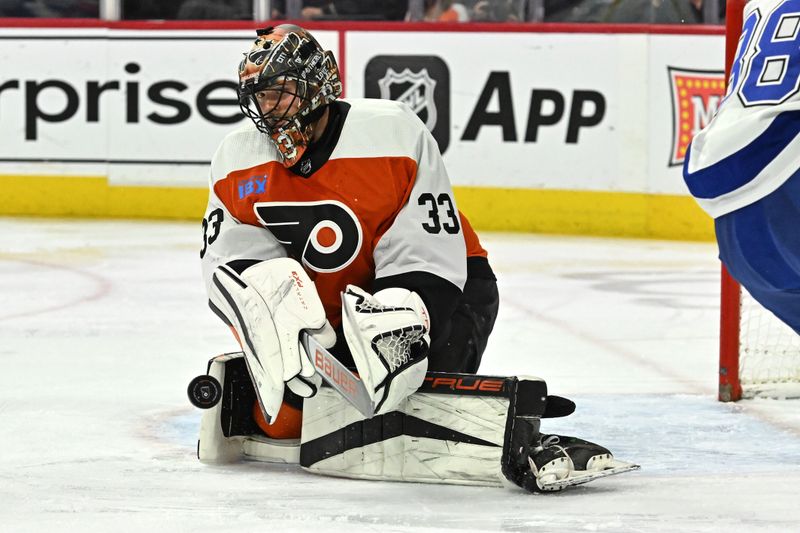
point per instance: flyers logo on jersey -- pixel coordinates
(696, 95)
(326, 236)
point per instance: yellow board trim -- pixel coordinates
(619, 214)
(92, 196)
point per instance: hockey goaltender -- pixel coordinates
(333, 249)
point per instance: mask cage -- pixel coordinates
(271, 120)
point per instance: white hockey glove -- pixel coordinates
(268, 305)
(387, 334)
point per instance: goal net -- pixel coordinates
(759, 355)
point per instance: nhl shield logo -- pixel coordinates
(696, 95)
(422, 82)
(415, 89)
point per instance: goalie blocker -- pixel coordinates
(457, 428)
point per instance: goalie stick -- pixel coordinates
(205, 391)
(338, 376)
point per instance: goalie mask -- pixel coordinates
(285, 81)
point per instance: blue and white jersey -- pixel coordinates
(752, 146)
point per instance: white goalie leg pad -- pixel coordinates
(213, 447)
(266, 450)
(212, 444)
(431, 438)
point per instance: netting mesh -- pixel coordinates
(396, 347)
(371, 306)
(769, 352)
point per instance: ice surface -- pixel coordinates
(103, 324)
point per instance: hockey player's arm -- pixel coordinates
(424, 250)
(226, 240)
(439, 295)
(420, 271)
(266, 299)
(268, 305)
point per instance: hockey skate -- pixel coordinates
(546, 463)
(228, 430)
(558, 462)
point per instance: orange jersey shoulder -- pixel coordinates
(474, 248)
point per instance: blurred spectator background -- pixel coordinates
(50, 8)
(598, 11)
(628, 11)
(354, 10)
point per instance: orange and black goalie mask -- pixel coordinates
(285, 81)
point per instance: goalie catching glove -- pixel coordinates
(388, 337)
(267, 306)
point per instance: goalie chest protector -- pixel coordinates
(372, 201)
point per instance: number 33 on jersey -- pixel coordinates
(379, 204)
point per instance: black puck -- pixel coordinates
(204, 392)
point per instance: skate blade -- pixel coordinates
(579, 478)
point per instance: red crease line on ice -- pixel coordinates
(102, 288)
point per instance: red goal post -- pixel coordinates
(730, 388)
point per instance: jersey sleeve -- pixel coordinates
(742, 156)
(424, 248)
(226, 240)
(752, 146)
(426, 234)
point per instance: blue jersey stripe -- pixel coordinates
(740, 168)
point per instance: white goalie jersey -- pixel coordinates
(752, 146)
(377, 204)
